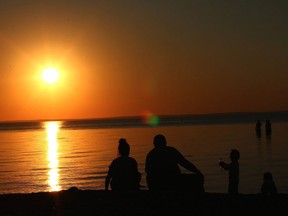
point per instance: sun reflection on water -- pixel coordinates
(52, 129)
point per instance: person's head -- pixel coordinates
(267, 176)
(159, 141)
(123, 147)
(234, 155)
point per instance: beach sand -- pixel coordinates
(100, 202)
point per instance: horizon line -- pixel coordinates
(143, 116)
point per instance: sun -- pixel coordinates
(50, 75)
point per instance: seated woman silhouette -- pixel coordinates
(123, 172)
(162, 166)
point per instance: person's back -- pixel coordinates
(162, 168)
(124, 173)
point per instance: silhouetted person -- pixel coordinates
(268, 186)
(258, 128)
(163, 172)
(123, 171)
(233, 168)
(268, 127)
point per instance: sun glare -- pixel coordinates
(52, 128)
(50, 75)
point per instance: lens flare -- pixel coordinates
(150, 119)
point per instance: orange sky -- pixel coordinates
(125, 58)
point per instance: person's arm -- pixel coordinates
(136, 171)
(109, 176)
(224, 165)
(107, 181)
(188, 165)
(147, 163)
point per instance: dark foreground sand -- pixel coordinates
(91, 202)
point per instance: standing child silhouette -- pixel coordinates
(233, 168)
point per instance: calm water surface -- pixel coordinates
(54, 158)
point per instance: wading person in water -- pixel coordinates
(233, 168)
(268, 127)
(162, 166)
(258, 128)
(123, 172)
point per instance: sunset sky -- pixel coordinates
(129, 57)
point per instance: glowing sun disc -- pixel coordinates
(50, 75)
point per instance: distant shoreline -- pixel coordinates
(152, 120)
(274, 115)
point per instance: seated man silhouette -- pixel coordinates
(162, 167)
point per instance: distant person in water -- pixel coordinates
(268, 186)
(233, 168)
(162, 166)
(123, 172)
(268, 127)
(258, 127)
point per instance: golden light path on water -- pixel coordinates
(52, 129)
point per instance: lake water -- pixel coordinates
(53, 157)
